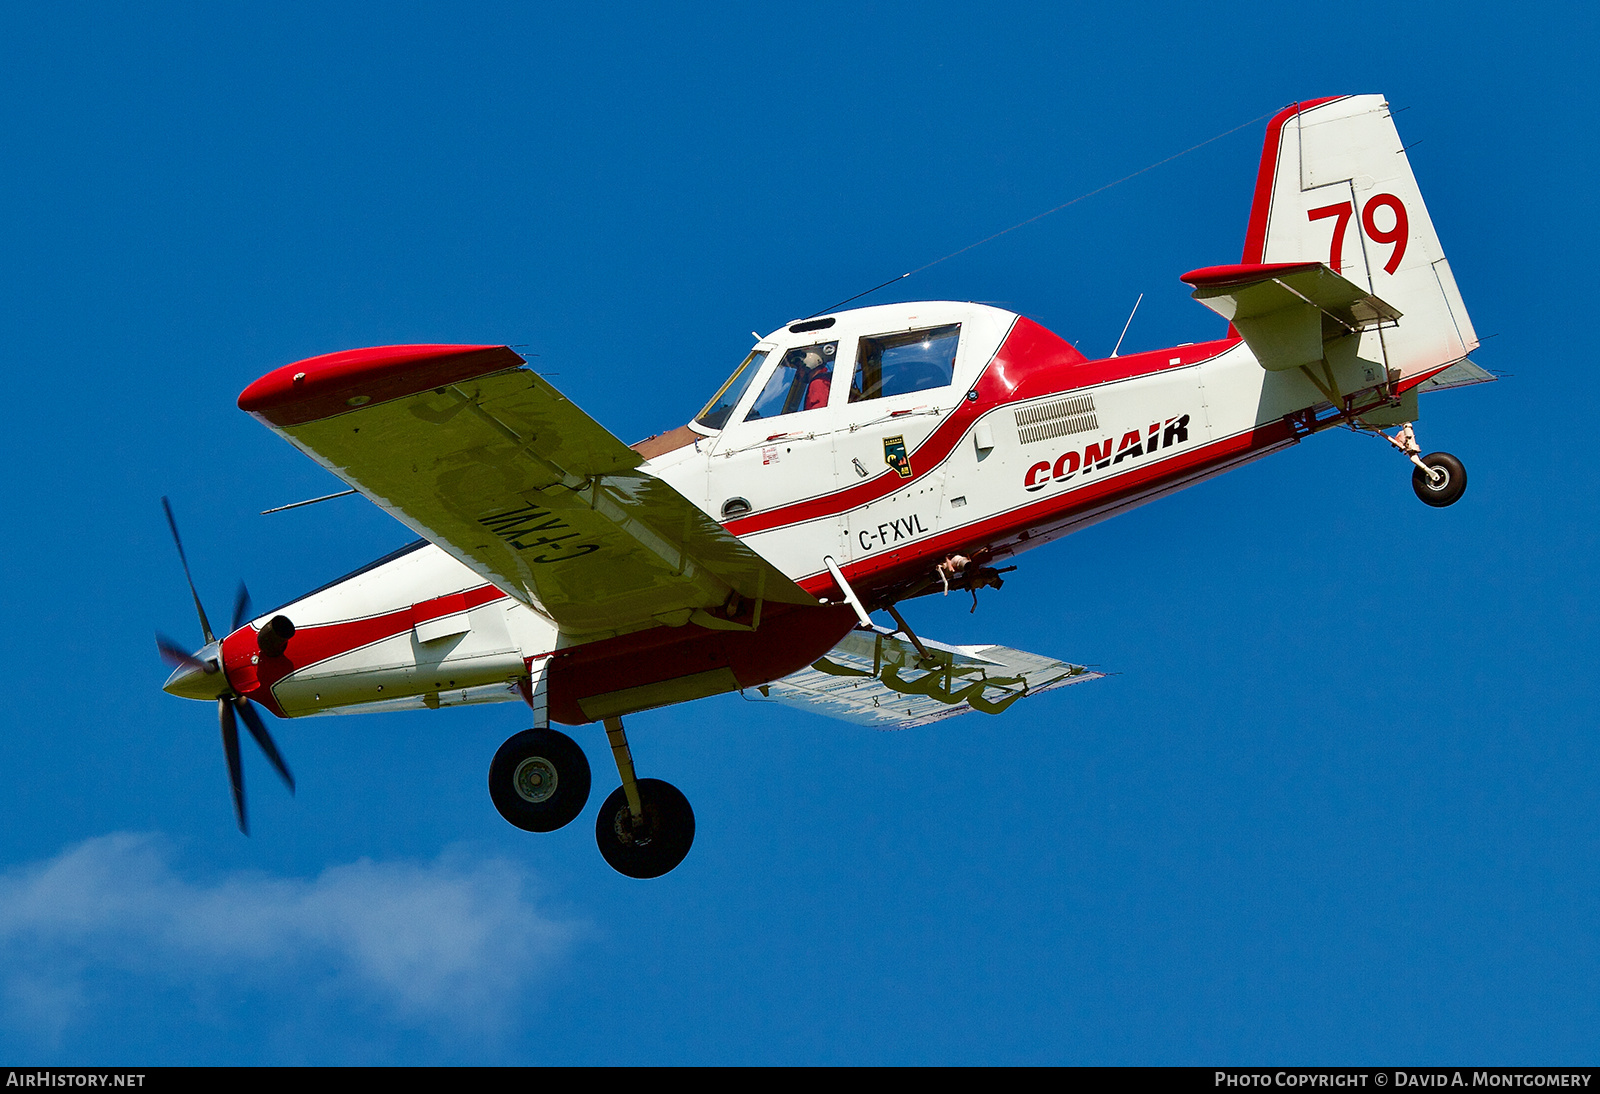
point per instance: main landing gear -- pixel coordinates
(645, 827)
(539, 781)
(1439, 478)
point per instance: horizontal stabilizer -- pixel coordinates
(877, 678)
(1287, 311)
(1461, 374)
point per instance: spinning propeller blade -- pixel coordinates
(252, 722)
(231, 706)
(241, 608)
(230, 745)
(175, 655)
(205, 624)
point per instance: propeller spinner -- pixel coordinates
(199, 675)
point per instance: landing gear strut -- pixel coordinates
(645, 828)
(539, 781)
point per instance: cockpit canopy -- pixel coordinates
(886, 352)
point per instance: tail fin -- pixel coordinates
(1335, 186)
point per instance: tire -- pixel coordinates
(539, 780)
(662, 840)
(1444, 493)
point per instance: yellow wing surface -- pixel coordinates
(486, 459)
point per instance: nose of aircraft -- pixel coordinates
(203, 679)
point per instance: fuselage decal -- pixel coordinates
(1098, 455)
(892, 531)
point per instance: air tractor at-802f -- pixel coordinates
(852, 461)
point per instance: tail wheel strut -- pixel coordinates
(1440, 479)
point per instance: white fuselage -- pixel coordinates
(1025, 443)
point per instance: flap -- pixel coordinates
(1287, 311)
(494, 465)
(876, 678)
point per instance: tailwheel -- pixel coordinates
(657, 841)
(1439, 480)
(539, 780)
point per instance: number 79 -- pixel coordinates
(1395, 235)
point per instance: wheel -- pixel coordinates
(539, 780)
(1445, 491)
(660, 842)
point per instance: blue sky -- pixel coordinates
(1338, 806)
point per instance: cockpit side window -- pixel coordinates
(897, 364)
(715, 415)
(801, 381)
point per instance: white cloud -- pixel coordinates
(422, 942)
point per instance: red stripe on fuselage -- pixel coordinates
(791, 638)
(316, 643)
(1009, 530)
(1032, 363)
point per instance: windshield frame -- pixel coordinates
(733, 390)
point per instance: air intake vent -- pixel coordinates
(1058, 419)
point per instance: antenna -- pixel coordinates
(325, 497)
(1039, 216)
(1128, 324)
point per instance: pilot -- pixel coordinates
(819, 378)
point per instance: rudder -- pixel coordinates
(1335, 186)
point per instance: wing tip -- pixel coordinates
(333, 383)
(1243, 273)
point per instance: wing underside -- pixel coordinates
(877, 678)
(490, 462)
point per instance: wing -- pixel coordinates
(1286, 311)
(873, 678)
(494, 465)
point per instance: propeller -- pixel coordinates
(176, 656)
(205, 624)
(199, 675)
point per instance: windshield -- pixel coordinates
(800, 382)
(715, 415)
